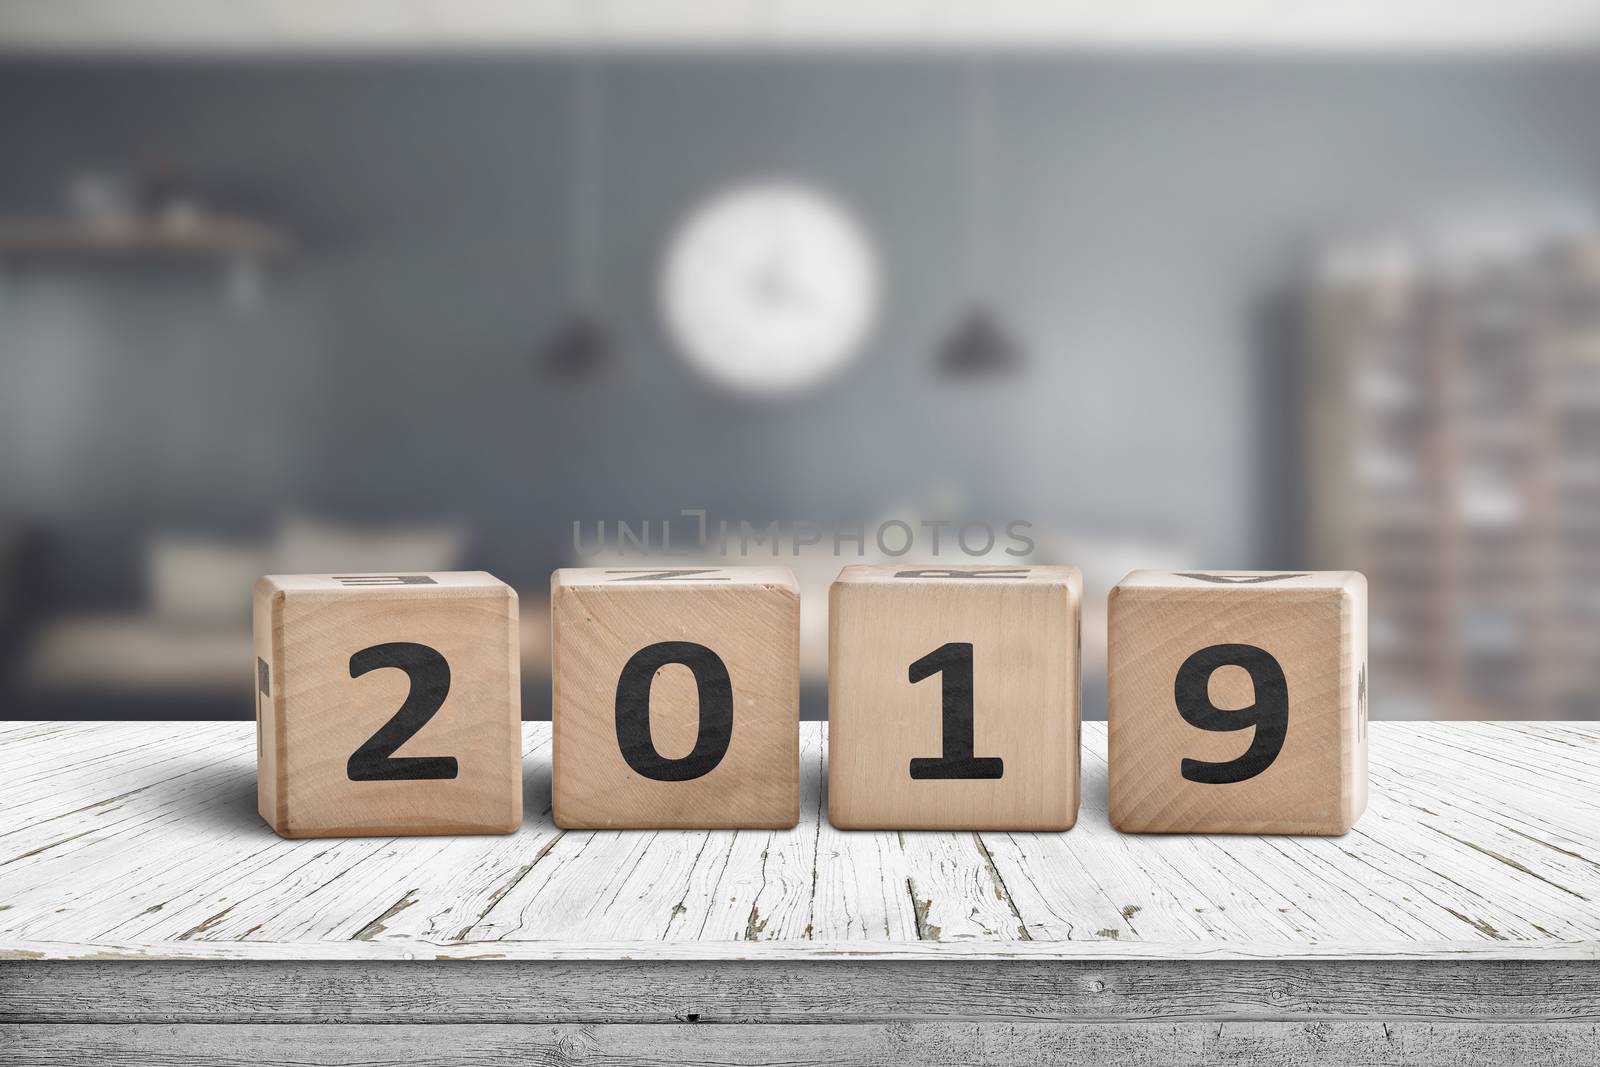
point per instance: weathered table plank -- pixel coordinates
(141, 840)
(782, 991)
(958, 1044)
(147, 915)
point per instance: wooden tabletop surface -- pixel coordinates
(141, 840)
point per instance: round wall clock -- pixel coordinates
(769, 287)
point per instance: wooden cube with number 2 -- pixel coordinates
(1237, 702)
(953, 697)
(388, 704)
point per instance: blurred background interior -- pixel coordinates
(301, 287)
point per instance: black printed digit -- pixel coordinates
(1238, 579)
(1269, 715)
(383, 579)
(681, 574)
(375, 760)
(263, 689)
(633, 711)
(948, 572)
(953, 663)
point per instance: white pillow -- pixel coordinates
(314, 546)
(202, 581)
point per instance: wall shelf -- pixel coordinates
(212, 236)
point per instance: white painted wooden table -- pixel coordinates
(148, 915)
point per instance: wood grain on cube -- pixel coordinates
(1015, 632)
(387, 704)
(1237, 702)
(664, 753)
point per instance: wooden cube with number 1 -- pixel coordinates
(953, 697)
(387, 704)
(1237, 702)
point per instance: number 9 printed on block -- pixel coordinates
(1237, 702)
(953, 698)
(387, 704)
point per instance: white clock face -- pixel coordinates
(769, 287)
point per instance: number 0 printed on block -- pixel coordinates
(677, 698)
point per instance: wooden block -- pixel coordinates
(387, 704)
(1238, 702)
(953, 697)
(677, 697)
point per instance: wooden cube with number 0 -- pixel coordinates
(953, 697)
(1238, 702)
(387, 704)
(676, 697)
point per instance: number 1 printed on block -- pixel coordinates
(998, 747)
(952, 662)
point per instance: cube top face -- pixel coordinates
(388, 704)
(676, 698)
(953, 698)
(1263, 581)
(1237, 702)
(675, 576)
(390, 584)
(963, 574)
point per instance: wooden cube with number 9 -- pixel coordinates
(1238, 702)
(677, 697)
(953, 697)
(387, 704)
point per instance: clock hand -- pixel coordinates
(770, 283)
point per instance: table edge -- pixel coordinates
(735, 951)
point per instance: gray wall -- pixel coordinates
(1147, 210)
